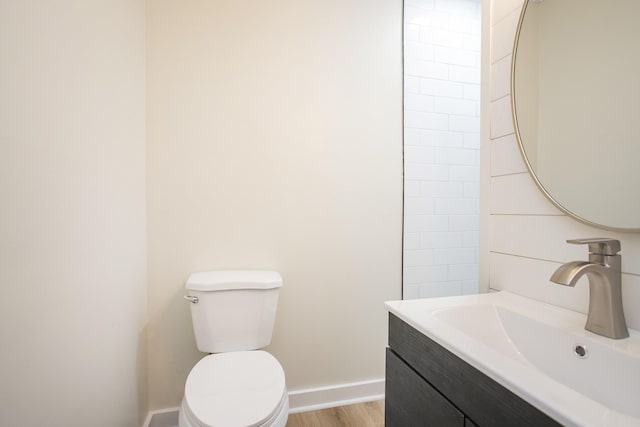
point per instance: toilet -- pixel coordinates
(237, 385)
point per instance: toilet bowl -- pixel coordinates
(236, 389)
(238, 385)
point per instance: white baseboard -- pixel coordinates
(302, 400)
(162, 418)
(335, 395)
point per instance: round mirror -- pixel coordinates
(575, 93)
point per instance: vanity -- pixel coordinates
(426, 385)
(500, 359)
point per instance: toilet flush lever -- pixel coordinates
(192, 300)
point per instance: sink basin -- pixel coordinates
(538, 351)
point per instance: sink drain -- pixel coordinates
(580, 351)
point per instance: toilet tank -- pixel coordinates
(235, 310)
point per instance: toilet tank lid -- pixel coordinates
(233, 279)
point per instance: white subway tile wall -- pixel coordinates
(441, 147)
(526, 232)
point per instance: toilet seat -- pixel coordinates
(235, 389)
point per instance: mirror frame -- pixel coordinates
(516, 129)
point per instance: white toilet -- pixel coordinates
(233, 313)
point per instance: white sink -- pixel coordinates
(529, 347)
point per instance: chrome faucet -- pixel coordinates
(603, 269)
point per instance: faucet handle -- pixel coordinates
(599, 245)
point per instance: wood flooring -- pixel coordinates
(369, 414)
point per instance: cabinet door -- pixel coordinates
(411, 401)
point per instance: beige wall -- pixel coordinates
(526, 233)
(275, 142)
(72, 236)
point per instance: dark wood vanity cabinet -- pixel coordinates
(411, 401)
(426, 385)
